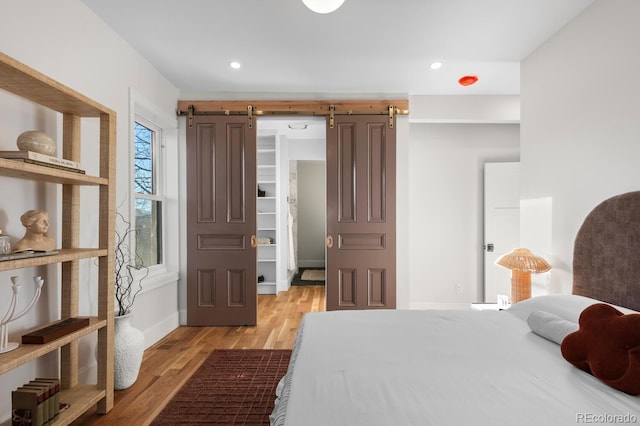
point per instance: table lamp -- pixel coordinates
(522, 263)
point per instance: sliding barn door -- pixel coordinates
(221, 222)
(361, 202)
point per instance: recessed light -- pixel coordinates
(436, 65)
(234, 64)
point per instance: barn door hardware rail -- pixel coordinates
(297, 108)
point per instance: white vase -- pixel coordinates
(128, 351)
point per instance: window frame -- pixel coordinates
(168, 272)
(158, 164)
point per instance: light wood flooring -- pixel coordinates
(168, 364)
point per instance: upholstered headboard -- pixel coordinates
(606, 254)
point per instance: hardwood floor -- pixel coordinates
(168, 364)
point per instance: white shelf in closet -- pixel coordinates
(267, 206)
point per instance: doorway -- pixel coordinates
(501, 225)
(300, 145)
(360, 169)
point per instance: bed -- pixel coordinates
(411, 367)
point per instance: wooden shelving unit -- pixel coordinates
(29, 84)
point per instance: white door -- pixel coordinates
(501, 225)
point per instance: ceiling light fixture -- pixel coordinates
(323, 6)
(436, 65)
(468, 80)
(234, 64)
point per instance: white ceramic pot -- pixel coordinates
(33, 140)
(128, 351)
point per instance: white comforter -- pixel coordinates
(442, 368)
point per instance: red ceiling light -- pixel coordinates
(468, 80)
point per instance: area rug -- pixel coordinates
(232, 387)
(313, 275)
(309, 276)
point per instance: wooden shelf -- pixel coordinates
(20, 79)
(80, 398)
(26, 353)
(19, 169)
(27, 83)
(64, 255)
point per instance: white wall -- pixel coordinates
(446, 208)
(67, 42)
(311, 213)
(580, 127)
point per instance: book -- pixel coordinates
(45, 164)
(53, 398)
(40, 157)
(27, 404)
(47, 407)
(54, 392)
(55, 331)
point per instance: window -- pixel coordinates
(147, 165)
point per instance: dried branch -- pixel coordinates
(125, 262)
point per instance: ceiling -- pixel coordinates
(366, 49)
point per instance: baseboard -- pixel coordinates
(153, 334)
(283, 285)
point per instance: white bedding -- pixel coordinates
(441, 368)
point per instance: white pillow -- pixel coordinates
(567, 306)
(550, 326)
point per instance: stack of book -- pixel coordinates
(37, 403)
(42, 160)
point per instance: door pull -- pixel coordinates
(254, 241)
(329, 241)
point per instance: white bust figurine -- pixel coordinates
(37, 224)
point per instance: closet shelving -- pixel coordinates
(267, 214)
(25, 82)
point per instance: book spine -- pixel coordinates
(40, 157)
(54, 392)
(51, 394)
(53, 160)
(55, 166)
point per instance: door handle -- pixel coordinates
(254, 241)
(329, 241)
(490, 247)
